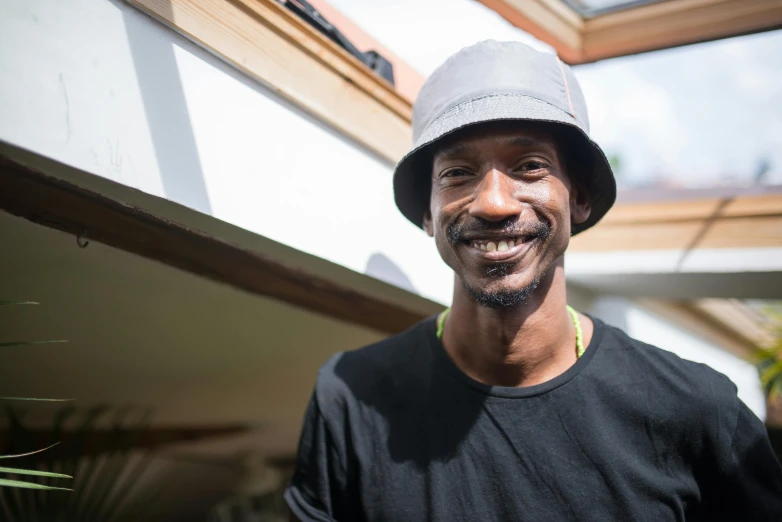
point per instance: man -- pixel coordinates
(512, 406)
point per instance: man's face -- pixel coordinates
(501, 208)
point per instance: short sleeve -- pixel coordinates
(749, 485)
(318, 489)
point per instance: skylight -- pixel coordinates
(590, 8)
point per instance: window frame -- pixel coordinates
(272, 45)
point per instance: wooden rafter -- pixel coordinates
(551, 21)
(650, 27)
(272, 45)
(753, 221)
(38, 195)
(675, 23)
(706, 326)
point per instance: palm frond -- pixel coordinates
(768, 359)
(29, 485)
(17, 471)
(114, 481)
(40, 474)
(27, 454)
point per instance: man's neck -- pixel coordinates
(524, 345)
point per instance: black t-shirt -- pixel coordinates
(396, 432)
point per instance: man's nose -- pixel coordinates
(494, 200)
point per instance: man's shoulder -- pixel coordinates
(384, 368)
(657, 367)
(688, 401)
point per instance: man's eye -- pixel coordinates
(455, 173)
(533, 165)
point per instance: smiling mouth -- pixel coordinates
(501, 249)
(499, 245)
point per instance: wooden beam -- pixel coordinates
(644, 28)
(742, 222)
(551, 21)
(271, 44)
(674, 23)
(737, 316)
(709, 328)
(695, 210)
(765, 232)
(34, 194)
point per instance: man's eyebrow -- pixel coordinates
(454, 149)
(450, 150)
(520, 141)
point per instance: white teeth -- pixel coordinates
(491, 246)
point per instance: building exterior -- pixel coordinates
(199, 195)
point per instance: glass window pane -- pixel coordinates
(696, 116)
(589, 8)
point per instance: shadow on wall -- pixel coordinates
(381, 267)
(166, 110)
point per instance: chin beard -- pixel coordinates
(502, 298)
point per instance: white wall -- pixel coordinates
(648, 327)
(99, 86)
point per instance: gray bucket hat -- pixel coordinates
(492, 81)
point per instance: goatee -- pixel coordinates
(539, 230)
(502, 298)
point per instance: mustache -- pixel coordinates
(510, 227)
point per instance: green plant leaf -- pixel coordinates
(760, 355)
(120, 469)
(114, 476)
(2, 303)
(34, 399)
(33, 472)
(23, 343)
(770, 373)
(28, 485)
(27, 454)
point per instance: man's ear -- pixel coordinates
(428, 226)
(580, 206)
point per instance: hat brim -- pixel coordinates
(412, 185)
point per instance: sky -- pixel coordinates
(695, 116)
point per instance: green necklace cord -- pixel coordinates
(573, 315)
(441, 323)
(579, 333)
